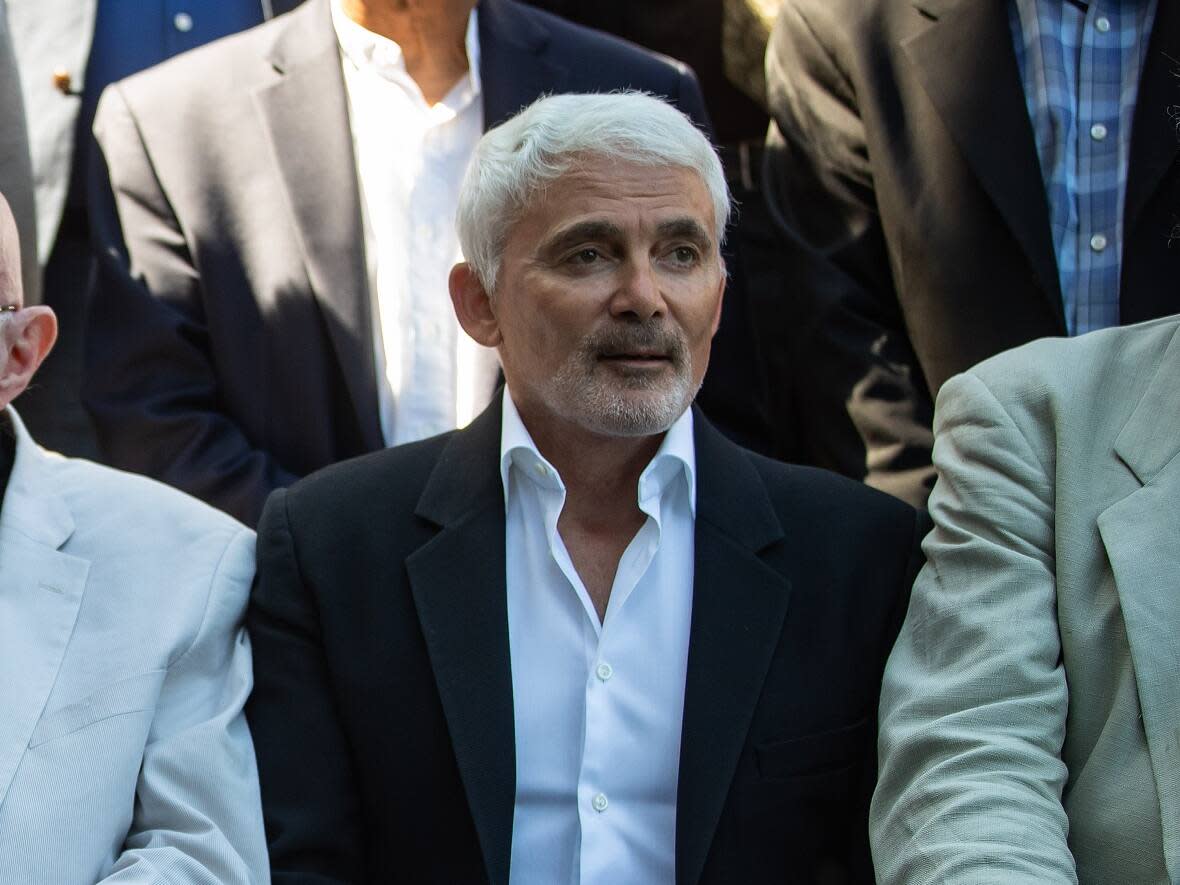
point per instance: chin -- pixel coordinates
(630, 412)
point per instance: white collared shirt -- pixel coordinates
(410, 159)
(598, 705)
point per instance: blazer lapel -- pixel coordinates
(458, 583)
(41, 591)
(738, 608)
(1154, 142)
(1141, 533)
(305, 115)
(967, 44)
(513, 66)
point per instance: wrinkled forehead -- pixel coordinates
(622, 193)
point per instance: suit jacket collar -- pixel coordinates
(41, 590)
(515, 66)
(458, 583)
(1140, 535)
(739, 605)
(304, 112)
(965, 61)
(1154, 141)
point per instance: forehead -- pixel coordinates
(630, 195)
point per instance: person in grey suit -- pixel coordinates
(239, 336)
(1030, 708)
(124, 668)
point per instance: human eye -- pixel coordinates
(684, 256)
(585, 256)
(584, 259)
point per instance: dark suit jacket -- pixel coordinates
(904, 172)
(229, 343)
(382, 706)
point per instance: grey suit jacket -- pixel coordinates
(1030, 714)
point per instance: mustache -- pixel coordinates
(630, 338)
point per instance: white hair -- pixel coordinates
(514, 161)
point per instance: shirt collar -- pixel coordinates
(675, 457)
(368, 50)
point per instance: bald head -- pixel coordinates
(10, 279)
(26, 334)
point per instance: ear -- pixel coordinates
(27, 337)
(721, 284)
(473, 306)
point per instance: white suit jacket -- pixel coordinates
(1030, 714)
(124, 753)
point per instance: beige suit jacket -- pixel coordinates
(1030, 714)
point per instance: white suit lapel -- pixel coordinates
(40, 592)
(1141, 533)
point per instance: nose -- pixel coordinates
(638, 294)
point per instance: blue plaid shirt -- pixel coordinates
(1080, 65)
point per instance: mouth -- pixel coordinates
(636, 358)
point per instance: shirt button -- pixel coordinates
(1102, 23)
(1098, 132)
(183, 22)
(539, 468)
(1098, 242)
(600, 802)
(604, 671)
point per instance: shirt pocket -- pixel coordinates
(813, 755)
(131, 695)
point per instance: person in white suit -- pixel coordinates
(1030, 712)
(124, 754)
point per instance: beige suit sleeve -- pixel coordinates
(974, 698)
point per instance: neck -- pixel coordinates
(600, 473)
(431, 33)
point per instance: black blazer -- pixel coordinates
(229, 345)
(382, 706)
(905, 177)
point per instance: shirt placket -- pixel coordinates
(1097, 139)
(605, 762)
(430, 367)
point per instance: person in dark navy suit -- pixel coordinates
(585, 638)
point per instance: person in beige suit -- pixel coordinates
(1030, 712)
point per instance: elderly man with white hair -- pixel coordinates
(124, 753)
(585, 639)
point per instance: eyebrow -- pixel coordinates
(605, 231)
(686, 229)
(581, 232)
